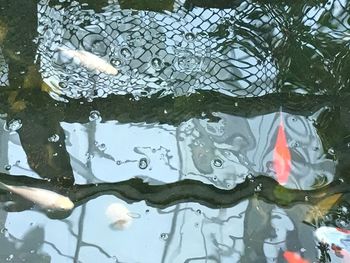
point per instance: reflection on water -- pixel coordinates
(149, 57)
(3, 71)
(161, 126)
(221, 153)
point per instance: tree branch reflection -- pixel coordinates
(162, 196)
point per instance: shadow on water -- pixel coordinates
(159, 122)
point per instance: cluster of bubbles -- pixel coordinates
(54, 138)
(339, 216)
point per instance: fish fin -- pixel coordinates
(4, 186)
(322, 208)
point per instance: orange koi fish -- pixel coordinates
(281, 155)
(293, 257)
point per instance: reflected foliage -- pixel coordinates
(26, 249)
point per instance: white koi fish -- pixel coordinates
(46, 199)
(89, 60)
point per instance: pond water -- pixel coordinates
(174, 131)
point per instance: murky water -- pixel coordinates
(161, 122)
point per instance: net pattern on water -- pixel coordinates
(241, 51)
(4, 71)
(238, 51)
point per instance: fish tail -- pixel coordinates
(61, 48)
(281, 116)
(4, 186)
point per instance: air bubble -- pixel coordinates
(7, 167)
(143, 163)
(14, 125)
(258, 188)
(217, 162)
(164, 236)
(296, 144)
(89, 156)
(116, 62)
(54, 138)
(118, 162)
(199, 212)
(102, 147)
(331, 151)
(125, 53)
(62, 85)
(157, 64)
(4, 231)
(190, 36)
(344, 210)
(95, 116)
(250, 177)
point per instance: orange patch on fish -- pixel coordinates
(293, 257)
(346, 231)
(281, 155)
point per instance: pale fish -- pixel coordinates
(89, 60)
(45, 199)
(119, 216)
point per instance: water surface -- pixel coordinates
(182, 136)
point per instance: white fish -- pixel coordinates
(89, 60)
(119, 216)
(46, 199)
(334, 236)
